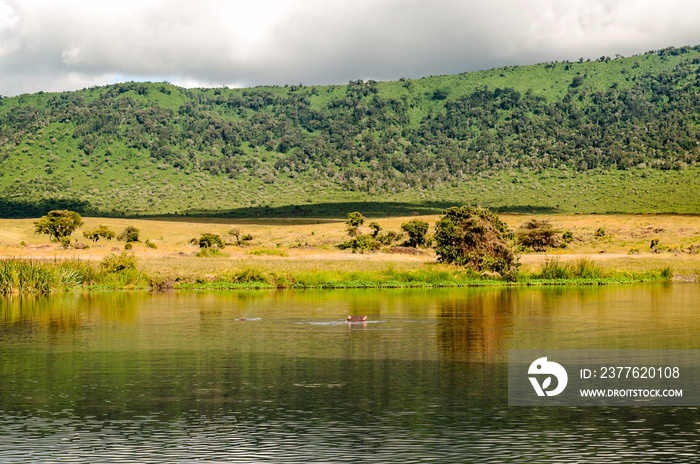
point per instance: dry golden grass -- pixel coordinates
(309, 243)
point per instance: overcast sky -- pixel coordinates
(54, 45)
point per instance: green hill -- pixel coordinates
(611, 135)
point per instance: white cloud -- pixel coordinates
(48, 45)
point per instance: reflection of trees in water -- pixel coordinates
(66, 313)
(475, 327)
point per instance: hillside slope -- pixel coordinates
(611, 135)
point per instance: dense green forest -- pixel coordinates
(612, 134)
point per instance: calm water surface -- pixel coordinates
(178, 377)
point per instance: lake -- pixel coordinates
(178, 377)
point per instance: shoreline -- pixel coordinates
(124, 272)
(302, 254)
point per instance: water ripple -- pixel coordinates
(292, 440)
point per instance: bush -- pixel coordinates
(117, 263)
(249, 275)
(210, 253)
(129, 234)
(388, 238)
(65, 242)
(247, 238)
(537, 235)
(476, 238)
(600, 232)
(375, 229)
(150, 244)
(362, 243)
(567, 237)
(210, 240)
(654, 244)
(417, 231)
(354, 224)
(100, 232)
(667, 273)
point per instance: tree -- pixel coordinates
(129, 234)
(236, 233)
(417, 231)
(354, 223)
(100, 232)
(58, 223)
(476, 238)
(576, 81)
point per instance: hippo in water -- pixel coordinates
(357, 318)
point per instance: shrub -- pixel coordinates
(354, 224)
(118, 263)
(362, 243)
(388, 238)
(250, 274)
(667, 273)
(128, 246)
(100, 232)
(417, 231)
(567, 237)
(65, 242)
(210, 240)
(58, 223)
(375, 229)
(476, 238)
(150, 244)
(247, 238)
(600, 232)
(210, 253)
(654, 243)
(537, 235)
(129, 234)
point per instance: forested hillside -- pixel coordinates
(605, 135)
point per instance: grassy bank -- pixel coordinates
(46, 276)
(554, 272)
(120, 272)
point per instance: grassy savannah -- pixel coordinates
(302, 253)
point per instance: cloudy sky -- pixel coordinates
(55, 45)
